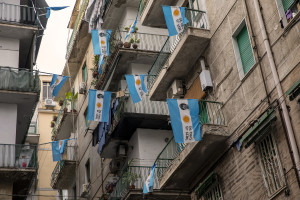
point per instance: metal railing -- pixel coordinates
(70, 154)
(76, 27)
(59, 118)
(18, 156)
(148, 42)
(143, 5)
(19, 79)
(197, 19)
(210, 112)
(17, 14)
(123, 186)
(32, 128)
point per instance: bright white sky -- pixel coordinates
(51, 57)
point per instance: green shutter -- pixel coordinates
(245, 49)
(287, 4)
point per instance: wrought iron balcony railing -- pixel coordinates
(19, 79)
(197, 19)
(59, 118)
(123, 185)
(32, 128)
(143, 5)
(18, 156)
(17, 14)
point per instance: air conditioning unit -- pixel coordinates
(82, 88)
(85, 190)
(175, 90)
(50, 103)
(116, 165)
(205, 79)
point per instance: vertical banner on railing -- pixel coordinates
(175, 19)
(148, 187)
(99, 105)
(136, 86)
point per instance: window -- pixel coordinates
(213, 193)
(88, 171)
(210, 188)
(287, 10)
(243, 50)
(85, 117)
(270, 164)
(46, 91)
(84, 73)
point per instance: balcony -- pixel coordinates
(181, 165)
(64, 123)
(129, 116)
(63, 173)
(18, 164)
(123, 190)
(152, 14)
(32, 135)
(122, 58)
(21, 87)
(176, 62)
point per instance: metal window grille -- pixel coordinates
(213, 193)
(270, 164)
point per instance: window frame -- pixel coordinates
(213, 188)
(282, 14)
(237, 51)
(48, 88)
(88, 171)
(84, 73)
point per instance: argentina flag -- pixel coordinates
(101, 62)
(100, 40)
(148, 187)
(136, 86)
(132, 28)
(56, 83)
(185, 122)
(99, 105)
(175, 19)
(55, 9)
(58, 149)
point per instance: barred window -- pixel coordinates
(270, 164)
(213, 193)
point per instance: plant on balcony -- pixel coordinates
(130, 178)
(52, 124)
(54, 118)
(60, 102)
(134, 41)
(71, 99)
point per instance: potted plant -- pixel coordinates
(95, 72)
(130, 178)
(119, 44)
(127, 45)
(134, 41)
(71, 99)
(61, 102)
(54, 118)
(52, 124)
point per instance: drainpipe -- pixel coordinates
(285, 113)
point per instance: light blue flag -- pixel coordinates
(99, 105)
(175, 19)
(185, 122)
(54, 8)
(132, 28)
(100, 40)
(148, 187)
(101, 61)
(58, 149)
(136, 86)
(56, 83)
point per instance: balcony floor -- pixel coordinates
(26, 102)
(156, 194)
(64, 130)
(190, 47)
(65, 177)
(195, 159)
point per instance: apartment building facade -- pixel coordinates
(20, 38)
(239, 58)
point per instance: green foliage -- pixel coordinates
(130, 177)
(134, 40)
(96, 60)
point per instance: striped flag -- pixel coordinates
(54, 8)
(100, 40)
(101, 61)
(148, 187)
(99, 105)
(58, 149)
(136, 86)
(56, 83)
(175, 19)
(132, 27)
(185, 122)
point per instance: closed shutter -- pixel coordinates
(287, 4)
(245, 49)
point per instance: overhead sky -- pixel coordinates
(51, 57)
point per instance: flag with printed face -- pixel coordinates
(185, 122)
(175, 19)
(148, 187)
(56, 83)
(101, 61)
(58, 149)
(54, 8)
(99, 105)
(132, 28)
(100, 40)
(136, 86)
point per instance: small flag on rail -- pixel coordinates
(101, 61)
(185, 122)
(136, 86)
(100, 40)
(148, 187)
(99, 105)
(56, 83)
(175, 19)
(55, 9)
(132, 27)
(58, 149)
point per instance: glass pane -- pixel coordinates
(44, 91)
(49, 93)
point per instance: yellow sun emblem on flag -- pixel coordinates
(138, 82)
(176, 12)
(99, 105)
(57, 81)
(186, 119)
(102, 42)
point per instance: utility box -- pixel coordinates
(205, 79)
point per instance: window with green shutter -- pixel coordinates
(245, 49)
(84, 73)
(287, 4)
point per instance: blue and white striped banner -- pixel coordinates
(100, 40)
(136, 86)
(99, 105)
(175, 19)
(56, 83)
(148, 187)
(58, 149)
(132, 27)
(101, 62)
